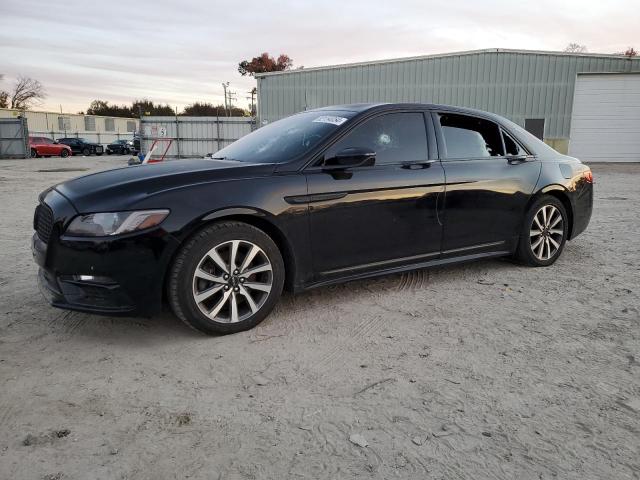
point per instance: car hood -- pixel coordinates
(122, 188)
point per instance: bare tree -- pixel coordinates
(575, 48)
(26, 93)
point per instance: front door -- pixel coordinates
(382, 216)
(490, 178)
(50, 148)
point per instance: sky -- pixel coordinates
(178, 52)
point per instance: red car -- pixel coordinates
(45, 147)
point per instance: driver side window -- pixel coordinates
(395, 137)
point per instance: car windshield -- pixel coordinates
(286, 139)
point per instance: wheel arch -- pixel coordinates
(250, 216)
(562, 194)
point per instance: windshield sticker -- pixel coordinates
(330, 119)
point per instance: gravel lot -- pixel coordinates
(488, 370)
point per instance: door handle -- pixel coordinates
(519, 159)
(418, 165)
(516, 160)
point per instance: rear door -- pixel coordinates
(489, 180)
(377, 217)
(36, 142)
(49, 147)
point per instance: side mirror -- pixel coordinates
(56, 142)
(349, 158)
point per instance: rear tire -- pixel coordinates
(86, 152)
(217, 300)
(34, 153)
(544, 233)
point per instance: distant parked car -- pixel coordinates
(46, 147)
(121, 147)
(80, 145)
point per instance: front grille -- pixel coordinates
(43, 222)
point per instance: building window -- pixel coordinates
(109, 125)
(535, 126)
(90, 124)
(131, 126)
(64, 123)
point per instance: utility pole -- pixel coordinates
(232, 97)
(225, 85)
(252, 105)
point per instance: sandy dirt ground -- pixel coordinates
(487, 370)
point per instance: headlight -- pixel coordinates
(114, 223)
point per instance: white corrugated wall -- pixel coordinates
(47, 124)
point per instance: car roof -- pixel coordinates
(363, 107)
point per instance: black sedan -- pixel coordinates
(82, 146)
(121, 147)
(324, 196)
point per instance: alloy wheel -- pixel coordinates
(232, 281)
(546, 233)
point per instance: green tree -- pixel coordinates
(147, 107)
(204, 109)
(101, 107)
(4, 96)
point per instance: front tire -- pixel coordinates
(64, 153)
(544, 233)
(227, 278)
(34, 153)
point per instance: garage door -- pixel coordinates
(605, 123)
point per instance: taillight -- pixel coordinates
(588, 176)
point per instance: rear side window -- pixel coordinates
(470, 137)
(511, 146)
(395, 137)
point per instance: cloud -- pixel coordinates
(179, 52)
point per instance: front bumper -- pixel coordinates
(113, 276)
(93, 296)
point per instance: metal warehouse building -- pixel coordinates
(585, 104)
